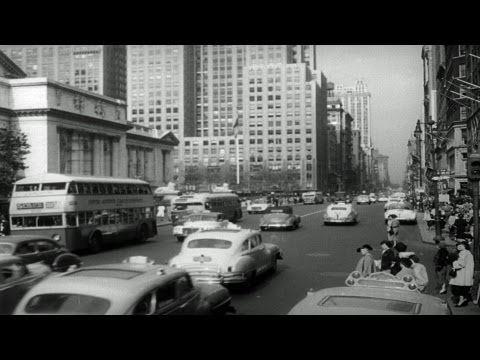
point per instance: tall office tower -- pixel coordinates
(285, 124)
(306, 54)
(356, 101)
(98, 68)
(161, 91)
(269, 54)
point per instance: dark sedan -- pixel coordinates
(16, 278)
(280, 217)
(32, 249)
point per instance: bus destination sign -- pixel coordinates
(23, 206)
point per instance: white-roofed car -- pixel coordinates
(340, 212)
(280, 217)
(227, 256)
(392, 201)
(202, 221)
(258, 206)
(403, 210)
(373, 198)
(363, 199)
(382, 197)
(377, 294)
(134, 287)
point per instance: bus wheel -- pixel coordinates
(95, 243)
(142, 234)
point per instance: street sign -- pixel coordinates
(444, 198)
(439, 178)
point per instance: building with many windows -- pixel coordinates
(98, 68)
(356, 101)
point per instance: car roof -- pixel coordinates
(15, 239)
(7, 259)
(118, 290)
(233, 235)
(310, 303)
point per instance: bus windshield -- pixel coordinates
(189, 206)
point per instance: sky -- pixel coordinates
(394, 77)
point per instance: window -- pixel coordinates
(71, 219)
(462, 70)
(144, 306)
(45, 246)
(26, 248)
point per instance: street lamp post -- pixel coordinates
(418, 136)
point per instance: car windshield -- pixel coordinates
(209, 244)
(6, 248)
(399, 206)
(363, 197)
(259, 201)
(202, 218)
(276, 216)
(370, 303)
(338, 208)
(74, 304)
(189, 206)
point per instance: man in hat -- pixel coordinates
(388, 255)
(366, 264)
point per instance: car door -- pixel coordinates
(256, 252)
(47, 251)
(186, 296)
(264, 255)
(15, 280)
(27, 251)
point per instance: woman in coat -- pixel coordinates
(463, 281)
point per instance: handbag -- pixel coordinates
(453, 273)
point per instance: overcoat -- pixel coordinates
(464, 266)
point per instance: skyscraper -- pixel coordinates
(356, 101)
(98, 68)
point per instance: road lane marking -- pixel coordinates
(335, 273)
(318, 254)
(316, 212)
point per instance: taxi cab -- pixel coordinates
(202, 221)
(377, 294)
(135, 287)
(403, 210)
(226, 256)
(258, 206)
(280, 217)
(340, 212)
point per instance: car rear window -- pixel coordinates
(6, 248)
(73, 304)
(209, 244)
(107, 273)
(339, 208)
(276, 216)
(400, 306)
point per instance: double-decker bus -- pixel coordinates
(226, 203)
(83, 212)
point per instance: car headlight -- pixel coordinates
(56, 237)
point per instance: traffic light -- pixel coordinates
(473, 167)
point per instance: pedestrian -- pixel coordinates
(427, 218)
(419, 273)
(405, 265)
(366, 264)
(462, 274)
(393, 226)
(461, 226)
(441, 264)
(388, 256)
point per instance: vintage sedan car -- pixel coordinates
(378, 294)
(280, 217)
(33, 248)
(363, 199)
(135, 287)
(373, 198)
(382, 198)
(340, 213)
(258, 206)
(16, 278)
(202, 221)
(403, 210)
(227, 256)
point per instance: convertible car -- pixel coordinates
(403, 210)
(377, 294)
(227, 256)
(202, 221)
(280, 217)
(340, 213)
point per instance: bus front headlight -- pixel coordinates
(56, 237)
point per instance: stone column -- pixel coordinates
(97, 156)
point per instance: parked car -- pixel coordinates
(382, 198)
(363, 199)
(202, 221)
(403, 210)
(135, 287)
(373, 198)
(340, 213)
(227, 256)
(392, 201)
(16, 278)
(258, 206)
(280, 217)
(378, 294)
(33, 248)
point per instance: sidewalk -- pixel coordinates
(163, 221)
(427, 237)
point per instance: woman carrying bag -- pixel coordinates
(461, 275)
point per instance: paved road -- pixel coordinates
(315, 256)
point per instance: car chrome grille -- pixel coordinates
(190, 230)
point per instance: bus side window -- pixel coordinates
(71, 219)
(136, 189)
(81, 189)
(131, 215)
(30, 221)
(148, 213)
(118, 217)
(138, 214)
(17, 221)
(116, 189)
(97, 218)
(123, 189)
(104, 217)
(81, 218)
(101, 189)
(91, 219)
(88, 188)
(208, 205)
(72, 188)
(124, 216)
(95, 190)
